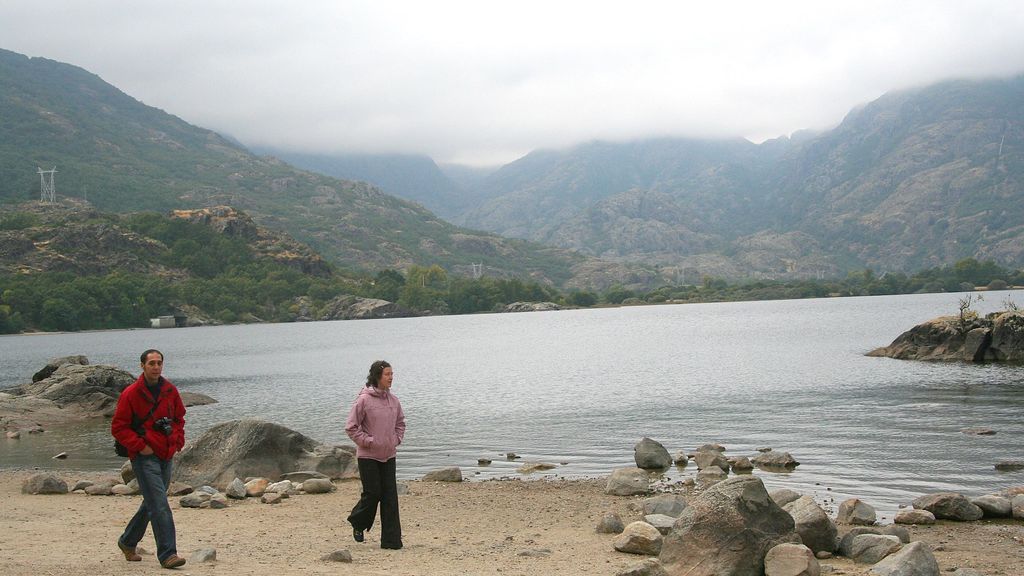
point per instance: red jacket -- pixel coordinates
(136, 399)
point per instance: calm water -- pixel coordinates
(580, 388)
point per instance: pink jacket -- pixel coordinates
(376, 424)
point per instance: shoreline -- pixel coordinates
(495, 527)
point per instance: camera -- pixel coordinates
(163, 425)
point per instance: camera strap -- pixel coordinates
(137, 423)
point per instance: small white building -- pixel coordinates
(162, 322)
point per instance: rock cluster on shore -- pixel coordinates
(734, 526)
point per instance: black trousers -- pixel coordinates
(379, 486)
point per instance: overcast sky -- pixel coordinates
(483, 82)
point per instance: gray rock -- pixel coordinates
(535, 553)
(914, 516)
(914, 559)
(791, 560)
(783, 496)
(82, 485)
(846, 542)
(103, 489)
(338, 556)
(284, 487)
(178, 489)
(708, 458)
(236, 489)
(1007, 343)
(651, 455)
(450, 474)
(1009, 465)
(949, 506)
(639, 538)
(531, 307)
(348, 307)
(898, 531)
(83, 390)
(979, 431)
(610, 523)
(271, 498)
(1017, 506)
(871, 548)
(44, 483)
(816, 529)
(127, 472)
(741, 465)
(244, 448)
(680, 459)
(218, 501)
(856, 511)
(667, 504)
(124, 489)
(645, 567)
(203, 555)
(531, 467)
(55, 363)
(303, 475)
(628, 482)
(993, 506)
(775, 460)
(727, 529)
(190, 399)
(318, 486)
(195, 500)
(966, 572)
(660, 521)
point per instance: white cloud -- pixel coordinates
(487, 82)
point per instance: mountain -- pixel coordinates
(125, 156)
(411, 177)
(917, 178)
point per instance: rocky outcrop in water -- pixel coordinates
(998, 337)
(348, 307)
(73, 390)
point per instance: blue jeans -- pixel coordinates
(153, 475)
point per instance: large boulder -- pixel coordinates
(856, 511)
(639, 538)
(727, 529)
(1008, 337)
(816, 529)
(651, 455)
(914, 559)
(449, 474)
(55, 363)
(628, 482)
(791, 560)
(254, 448)
(708, 458)
(44, 483)
(949, 506)
(993, 506)
(667, 504)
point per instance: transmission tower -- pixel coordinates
(478, 271)
(47, 193)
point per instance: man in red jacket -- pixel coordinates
(150, 423)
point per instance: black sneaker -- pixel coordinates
(357, 535)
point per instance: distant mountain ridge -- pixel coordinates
(125, 156)
(917, 178)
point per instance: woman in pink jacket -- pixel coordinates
(376, 424)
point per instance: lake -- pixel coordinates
(579, 388)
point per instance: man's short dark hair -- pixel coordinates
(142, 359)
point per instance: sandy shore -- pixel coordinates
(497, 527)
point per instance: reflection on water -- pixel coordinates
(579, 388)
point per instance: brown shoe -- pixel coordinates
(129, 552)
(173, 561)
